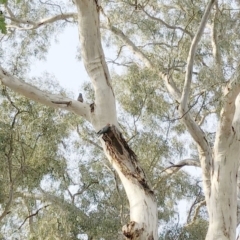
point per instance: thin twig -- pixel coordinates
(34, 214)
(172, 120)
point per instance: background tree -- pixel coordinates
(179, 75)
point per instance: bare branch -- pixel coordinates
(7, 207)
(172, 88)
(48, 99)
(204, 117)
(174, 168)
(215, 46)
(9, 11)
(158, 44)
(167, 25)
(191, 55)
(34, 214)
(35, 25)
(84, 189)
(130, 45)
(72, 196)
(192, 105)
(89, 140)
(196, 212)
(186, 162)
(54, 200)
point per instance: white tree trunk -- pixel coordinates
(223, 199)
(224, 175)
(219, 170)
(143, 207)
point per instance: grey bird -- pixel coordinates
(104, 130)
(80, 97)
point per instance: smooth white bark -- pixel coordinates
(26, 24)
(95, 64)
(191, 55)
(219, 169)
(51, 100)
(223, 201)
(143, 208)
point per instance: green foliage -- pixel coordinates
(53, 158)
(3, 25)
(197, 230)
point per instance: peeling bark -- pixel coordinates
(143, 208)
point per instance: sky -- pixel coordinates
(61, 61)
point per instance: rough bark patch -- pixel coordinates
(92, 107)
(124, 156)
(131, 231)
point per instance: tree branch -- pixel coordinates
(201, 121)
(83, 190)
(9, 11)
(191, 55)
(7, 207)
(193, 128)
(34, 214)
(89, 140)
(204, 149)
(196, 212)
(134, 49)
(51, 100)
(35, 25)
(85, 187)
(167, 25)
(230, 94)
(54, 200)
(174, 168)
(215, 46)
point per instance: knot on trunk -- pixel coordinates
(132, 230)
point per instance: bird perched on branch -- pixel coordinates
(104, 130)
(80, 97)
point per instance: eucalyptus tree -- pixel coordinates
(31, 205)
(188, 51)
